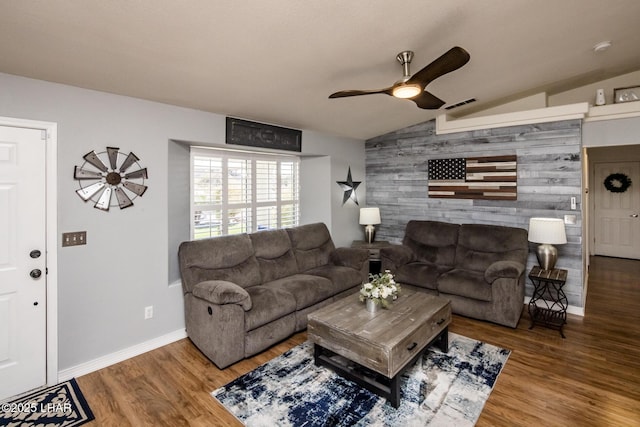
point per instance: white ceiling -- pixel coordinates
(277, 61)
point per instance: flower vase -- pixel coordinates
(372, 305)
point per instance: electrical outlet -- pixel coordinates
(148, 312)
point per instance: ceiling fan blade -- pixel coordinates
(346, 93)
(453, 59)
(427, 101)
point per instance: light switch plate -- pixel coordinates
(74, 238)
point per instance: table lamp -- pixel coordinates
(369, 217)
(547, 232)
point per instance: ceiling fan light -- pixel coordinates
(406, 91)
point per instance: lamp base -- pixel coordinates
(547, 256)
(369, 233)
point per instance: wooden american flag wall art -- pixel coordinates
(488, 178)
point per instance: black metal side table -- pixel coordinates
(548, 305)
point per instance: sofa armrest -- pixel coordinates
(354, 258)
(395, 256)
(503, 269)
(222, 292)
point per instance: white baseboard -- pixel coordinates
(127, 353)
(119, 356)
(571, 309)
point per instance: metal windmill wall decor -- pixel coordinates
(100, 185)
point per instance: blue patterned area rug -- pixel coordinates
(61, 405)
(441, 389)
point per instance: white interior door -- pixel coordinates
(617, 214)
(22, 260)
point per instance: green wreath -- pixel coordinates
(617, 182)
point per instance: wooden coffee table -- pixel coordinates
(373, 349)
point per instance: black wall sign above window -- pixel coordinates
(253, 134)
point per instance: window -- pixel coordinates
(240, 192)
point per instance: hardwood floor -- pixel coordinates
(591, 378)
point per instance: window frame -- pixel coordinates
(253, 204)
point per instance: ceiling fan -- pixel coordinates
(413, 87)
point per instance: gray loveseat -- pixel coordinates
(244, 293)
(480, 268)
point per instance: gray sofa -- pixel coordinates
(244, 293)
(480, 268)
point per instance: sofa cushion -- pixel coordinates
(432, 241)
(312, 245)
(342, 278)
(480, 245)
(229, 258)
(305, 289)
(274, 254)
(465, 283)
(268, 304)
(421, 274)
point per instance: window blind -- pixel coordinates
(241, 192)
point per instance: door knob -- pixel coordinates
(35, 273)
(35, 253)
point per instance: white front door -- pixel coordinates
(617, 214)
(23, 280)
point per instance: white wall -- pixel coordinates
(532, 102)
(316, 198)
(344, 154)
(587, 93)
(105, 285)
(611, 132)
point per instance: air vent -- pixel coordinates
(460, 104)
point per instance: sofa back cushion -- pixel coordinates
(312, 245)
(480, 245)
(229, 258)
(274, 254)
(432, 241)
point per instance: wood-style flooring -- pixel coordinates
(591, 378)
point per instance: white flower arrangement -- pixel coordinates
(380, 288)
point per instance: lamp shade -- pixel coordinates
(369, 216)
(547, 230)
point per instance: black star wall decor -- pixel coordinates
(349, 187)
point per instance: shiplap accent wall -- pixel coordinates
(549, 174)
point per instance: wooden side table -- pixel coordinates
(374, 253)
(548, 304)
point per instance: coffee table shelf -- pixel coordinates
(389, 388)
(373, 349)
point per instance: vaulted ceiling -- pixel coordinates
(277, 61)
